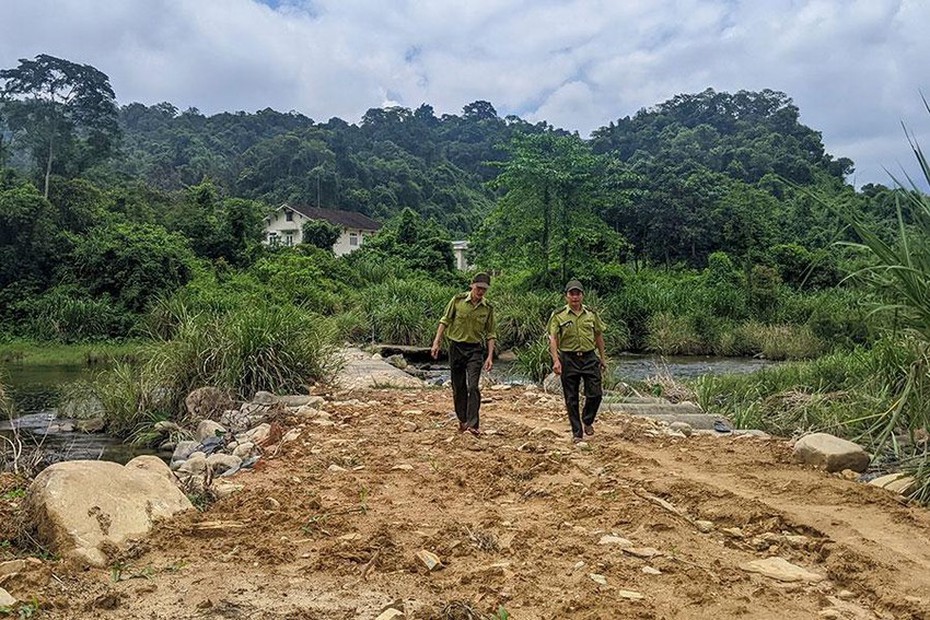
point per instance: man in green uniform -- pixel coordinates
(468, 323)
(574, 333)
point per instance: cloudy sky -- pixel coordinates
(855, 68)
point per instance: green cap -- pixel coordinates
(481, 279)
(574, 285)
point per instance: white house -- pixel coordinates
(285, 226)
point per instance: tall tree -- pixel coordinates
(65, 112)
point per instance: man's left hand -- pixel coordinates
(488, 364)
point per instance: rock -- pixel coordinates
(306, 411)
(336, 469)
(294, 400)
(782, 570)
(390, 614)
(896, 483)
(183, 450)
(271, 503)
(238, 420)
(291, 435)
(630, 594)
(12, 567)
(244, 450)
(732, 532)
(502, 387)
(642, 552)
(209, 428)
(411, 412)
(601, 579)
(430, 560)
(830, 453)
(403, 467)
(682, 427)
(609, 539)
(207, 403)
(410, 426)
(397, 361)
(82, 508)
(166, 427)
(195, 465)
(845, 595)
(264, 398)
(552, 384)
(222, 463)
(258, 434)
(91, 425)
(6, 599)
(651, 571)
(704, 526)
(224, 488)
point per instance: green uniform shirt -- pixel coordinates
(466, 322)
(575, 331)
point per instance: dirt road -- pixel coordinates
(330, 527)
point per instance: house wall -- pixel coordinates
(350, 240)
(289, 233)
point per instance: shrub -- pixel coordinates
(260, 347)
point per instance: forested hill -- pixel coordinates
(393, 158)
(684, 153)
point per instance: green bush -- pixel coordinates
(260, 347)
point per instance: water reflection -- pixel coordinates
(36, 393)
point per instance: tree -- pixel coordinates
(550, 195)
(131, 263)
(65, 112)
(321, 234)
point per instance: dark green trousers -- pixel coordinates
(578, 367)
(465, 361)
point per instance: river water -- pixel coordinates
(37, 392)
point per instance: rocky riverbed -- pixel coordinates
(375, 507)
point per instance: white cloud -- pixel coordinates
(855, 68)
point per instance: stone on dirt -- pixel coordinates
(781, 570)
(209, 428)
(830, 453)
(896, 483)
(430, 560)
(81, 508)
(6, 599)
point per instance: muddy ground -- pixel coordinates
(330, 527)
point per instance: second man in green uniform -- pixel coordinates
(576, 344)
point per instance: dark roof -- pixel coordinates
(346, 219)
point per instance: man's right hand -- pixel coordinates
(557, 367)
(435, 351)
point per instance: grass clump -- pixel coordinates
(275, 348)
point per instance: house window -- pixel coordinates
(289, 216)
(353, 238)
(273, 239)
(288, 239)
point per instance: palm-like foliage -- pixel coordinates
(901, 274)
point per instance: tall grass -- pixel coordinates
(263, 347)
(901, 276)
(405, 311)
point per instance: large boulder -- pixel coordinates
(87, 509)
(207, 403)
(831, 453)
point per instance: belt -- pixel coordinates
(577, 353)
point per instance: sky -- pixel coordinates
(856, 69)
